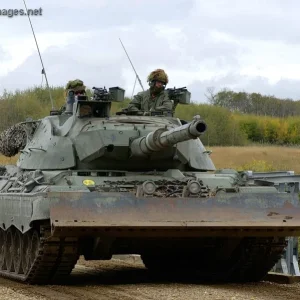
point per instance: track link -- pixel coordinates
(44, 259)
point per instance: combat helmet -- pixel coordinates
(76, 85)
(158, 75)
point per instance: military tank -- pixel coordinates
(94, 185)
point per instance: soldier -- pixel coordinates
(77, 86)
(155, 98)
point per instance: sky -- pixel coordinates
(242, 45)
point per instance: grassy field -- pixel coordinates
(256, 158)
(8, 160)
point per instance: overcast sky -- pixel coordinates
(244, 45)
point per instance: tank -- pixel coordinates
(91, 184)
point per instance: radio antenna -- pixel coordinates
(137, 76)
(43, 70)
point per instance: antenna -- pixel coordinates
(43, 70)
(137, 76)
(133, 88)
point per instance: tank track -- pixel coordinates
(249, 262)
(257, 257)
(36, 257)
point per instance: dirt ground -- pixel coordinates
(124, 280)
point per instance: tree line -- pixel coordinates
(254, 103)
(227, 126)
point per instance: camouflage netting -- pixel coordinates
(13, 139)
(158, 74)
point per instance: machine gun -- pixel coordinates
(179, 95)
(113, 94)
(100, 94)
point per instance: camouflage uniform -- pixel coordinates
(145, 102)
(154, 98)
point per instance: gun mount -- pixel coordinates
(163, 138)
(179, 95)
(100, 102)
(100, 94)
(114, 94)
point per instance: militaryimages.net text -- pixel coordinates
(20, 12)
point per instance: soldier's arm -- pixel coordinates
(135, 104)
(166, 104)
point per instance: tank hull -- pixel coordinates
(241, 232)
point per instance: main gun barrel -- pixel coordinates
(163, 138)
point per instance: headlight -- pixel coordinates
(149, 187)
(194, 187)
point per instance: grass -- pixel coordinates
(257, 158)
(8, 160)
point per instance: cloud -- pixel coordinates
(238, 44)
(3, 54)
(19, 49)
(258, 19)
(282, 89)
(93, 15)
(98, 57)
